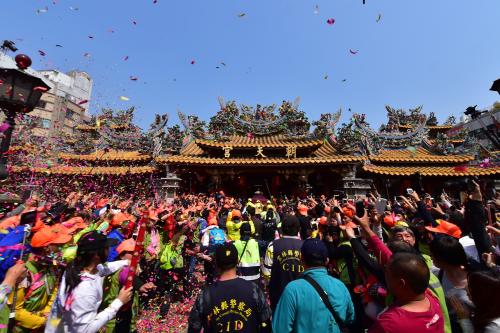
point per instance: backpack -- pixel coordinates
(216, 238)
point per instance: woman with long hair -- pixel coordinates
(80, 294)
(484, 291)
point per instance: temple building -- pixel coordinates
(273, 149)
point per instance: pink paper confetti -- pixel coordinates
(330, 21)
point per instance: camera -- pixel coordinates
(467, 184)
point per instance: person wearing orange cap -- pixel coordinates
(125, 320)
(305, 221)
(36, 295)
(447, 228)
(233, 225)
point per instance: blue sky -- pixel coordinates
(441, 54)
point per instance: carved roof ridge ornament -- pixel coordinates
(394, 139)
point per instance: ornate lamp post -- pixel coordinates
(19, 93)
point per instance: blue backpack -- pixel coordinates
(216, 238)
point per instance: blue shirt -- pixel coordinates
(300, 308)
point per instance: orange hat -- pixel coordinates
(119, 218)
(328, 209)
(235, 213)
(212, 221)
(10, 222)
(73, 224)
(127, 245)
(50, 235)
(389, 221)
(447, 228)
(303, 209)
(348, 211)
(323, 220)
(101, 203)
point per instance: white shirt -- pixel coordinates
(82, 316)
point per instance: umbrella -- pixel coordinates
(496, 86)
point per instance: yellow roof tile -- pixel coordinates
(111, 155)
(262, 141)
(443, 171)
(196, 160)
(419, 156)
(69, 170)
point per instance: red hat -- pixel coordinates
(323, 220)
(235, 213)
(303, 209)
(447, 228)
(50, 235)
(127, 245)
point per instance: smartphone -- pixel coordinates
(409, 191)
(360, 208)
(28, 217)
(314, 225)
(357, 232)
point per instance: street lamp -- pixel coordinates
(19, 93)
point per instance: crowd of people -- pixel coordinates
(91, 262)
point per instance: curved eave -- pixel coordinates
(66, 170)
(421, 155)
(120, 156)
(191, 160)
(439, 171)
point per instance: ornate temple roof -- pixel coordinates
(271, 161)
(78, 170)
(419, 155)
(443, 171)
(240, 141)
(104, 155)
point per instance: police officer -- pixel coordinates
(282, 261)
(231, 304)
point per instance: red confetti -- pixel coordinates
(43, 89)
(42, 53)
(353, 51)
(83, 102)
(330, 21)
(192, 62)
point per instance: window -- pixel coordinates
(41, 104)
(46, 123)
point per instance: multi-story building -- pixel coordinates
(61, 108)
